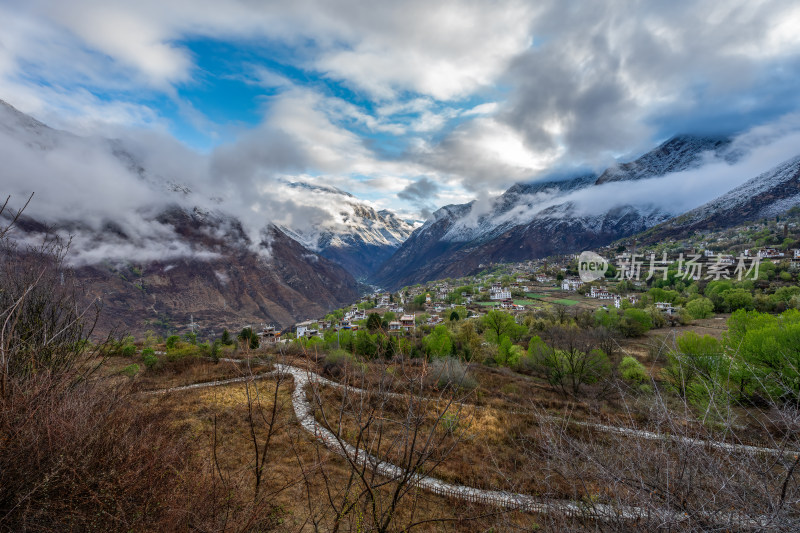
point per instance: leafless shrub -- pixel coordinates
(690, 478)
(414, 434)
(84, 458)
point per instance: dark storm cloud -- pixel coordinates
(610, 78)
(421, 190)
(422, 194)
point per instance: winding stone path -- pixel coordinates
(508, 500)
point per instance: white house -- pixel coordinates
(600, 293)
(501, 294)
(666, 308)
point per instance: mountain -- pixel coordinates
(352, 234)
(228, 282)
(682, 152)
(769, 194)
(538, 219)
(147, 251)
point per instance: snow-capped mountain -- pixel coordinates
(350, 232)
(142, 247)
(682, 152)
(769, 194)
(543, 218)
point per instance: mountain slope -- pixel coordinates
(352, 233)
(228, 282)
(539, 219)
(766, 195)
(141, 245)
(682, 152)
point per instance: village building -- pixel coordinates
(407, 323)
(600, 293)
(571, 284)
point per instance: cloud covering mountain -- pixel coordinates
(376, 99)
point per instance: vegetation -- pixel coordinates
(554, 398)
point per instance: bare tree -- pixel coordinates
(389, 435)
(45, 323)
(666, 469)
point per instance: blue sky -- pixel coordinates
(410, 105)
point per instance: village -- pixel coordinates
(516, 288)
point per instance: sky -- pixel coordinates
(409, 105)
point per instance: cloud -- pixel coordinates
(472, 96)
(422, 194)
(422, 189)
(610, 78)
(759, 150)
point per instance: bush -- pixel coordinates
(737, 299)
(632, 370)
(128, 350)
(339, 362)
(172, 341)
(90, 461)
(130, 370)
(451, 373)
(150, 361)
(635, 322)
(700, 308)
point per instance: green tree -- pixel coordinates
(693, 368)
(374, 322)
(737, 299)
(700, 308)
(635, 322)
(226, 338)
(249, 338)
(508, 353)
(498, 323)
(439, 343)
(365, 345)
(566, 370)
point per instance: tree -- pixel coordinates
(439, 343)
(569, 360)
(700, 308)
(226, 338)
(374, 322)
(693, 367)
(498, 323)
(365, 345)
(737, 299)
(454, 316)
(508, 354)
(249, 338)
(172, 341)
(363, 427)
